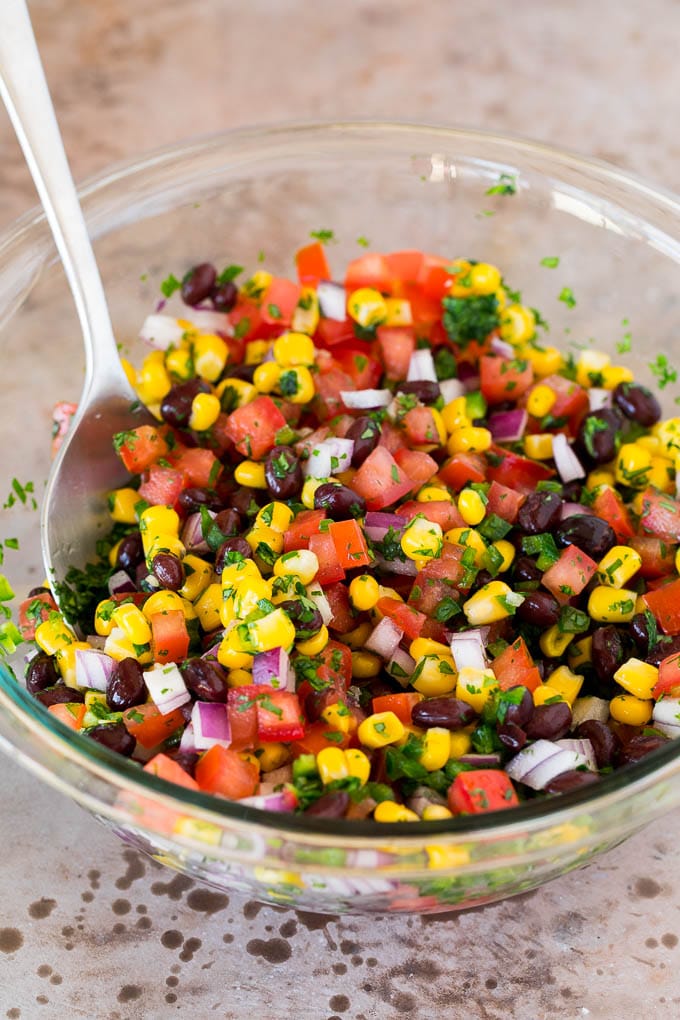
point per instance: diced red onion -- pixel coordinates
(210, 321)
(450, 389)
(508, 426)
(96, 641)
(502, 348)
(188, 739)
(161, 331)
(572, 509)
(569, 467)
(529, 757)
(598, 398)
(93, 668)
(422, 797)
(377, 524)
(329, 457)
(365, 399)
(467, 374)
(541, 762)
(332, 299)
(273, 669)
(589, 708)
(666, 716)
(316, 594)
(192, 533)
(211, 725)
(421, 367)
(166, 687)
(283, 800)
(211, 653)
(405, 568)
(467, 649)
(385, 638)
(401, 666)
(581, 746)
(481, 761)
(121, 582)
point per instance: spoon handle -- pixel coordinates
(25, 93)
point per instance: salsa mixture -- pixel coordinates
(385, 553)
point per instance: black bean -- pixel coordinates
(608, 651)
(365, 432)
(282, 473)
(114, 736)
(235, 545)
(525, 572)
(637, 403)
(539, 512)
(549, 722)
(605, 742)
(329, 805)
(638, 748)
(206, 680)
(194, 497)
(539, 608)
(483, 577)
(662, 649)
(60, 694)
(40, 590)
(40, 674)
(198, 283)
(575, 779)
(424, 389)
(512, 736)
(589, 533)
(639, 632)
(186, 760)
(243, 498)
(519, 714)
(339, 501)
(245, 372)
(229, 522)
(176, 404)
(306, 619)
(130, 552)
(168, 571)
(450, 713)
(598, 435)
(224, 296)
(126, 687)
(572, 491)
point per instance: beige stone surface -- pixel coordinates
(88, 928)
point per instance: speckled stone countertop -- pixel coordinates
(89, 928)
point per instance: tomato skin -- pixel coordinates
(660, 516)
(394, 347)
(410, 620)
(253, 427)
(28, 624)
(380, 480)
(162, 486)
(439, 511)
(141, 447)
(71, 714)
(480, 791)
(329, 385)
(664, 603)
(514, 667)
(571, 400)
(222, 771)
(609, 506)
(344, 617)
(315, 739)
(504, 502)
(149, 726)
(658, 558)
(570, 574)
(283, 720)
(246, 319)
(242, 713)
(502, 379)
(330, 569)
(198, 466)
(463, 469)
(369, 270)
(434, 279)
(404, 267)
(169, 636)
(164, 767)
(401, 704)
(669, 676)
(330, 332)
(306, 524)
(279, 302)
(312, 264)
(363, 370)
(514, 471)
(420, 428)
(350, 544)
(417, 464)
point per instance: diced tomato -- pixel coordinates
(660, 515)
(344, 617)
(246, 319)
(420, 428)
(410, 620)
(391, 437)
(404, 266)
(515, 667)
(279, 716)
(140, 448)
(279, 301)
(302, 528)
(658, 558)
(463, 469)
(514, 471)
(164, 767)
(570, 574)
(169, 636)
(571, 399)
(439, 511)
(401, 704)
(438, 580)
(149, 726)
(336, 664)
(370, 270)
(350, 544)
(380, 480)
(434, 279)
(70, 713)
(242, 713)
(162, 486)
(481, 790)
(417, 464)
(394, 346)
(318, 736)
(504, 379)
(330, 332)
(222, 771)
(62, 416)
(34, 611)
(220, 440)
(329, 385)
(330, 569)
(253, 427)
(664, 603)
(199, 467)
(669, 677)
(312, 264)
(504, 502)
(364, 371)
(609, 506)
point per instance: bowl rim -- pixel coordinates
(529, 817)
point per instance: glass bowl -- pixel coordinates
(257, 194)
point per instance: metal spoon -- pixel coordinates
(74, 511)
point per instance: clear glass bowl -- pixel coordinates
(230, 198)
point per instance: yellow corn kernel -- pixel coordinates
(165, 543)
(612, 605)
(590, 366)
(199, 574)
(250, 758)
(153, 381)
(306, 315)
(507, 551)
(308, 489)
(484, 279)
(179, 362)
(580, 653)
(232, 654)
(367, 307)
(358, 637)
(251, 474)
(339, 717)
(469, 439)
(96, 699)
(208, 607)
(248, 595)
(364, 592)
(436, 748)
(266, 544)
(358, 764)
(469, 538)
(274, 515)
(398, 312)
(188, 609)
(297, 384)
(332, 765)
(380, 729)
(566, 683)
(240, 391)
(540, 400)
(553, 642)
(539, 446)
(315, 644)
(158, 520)
(422, 539)
(294, 349)
(205, 410)
(454, 415)
(460, 743)
(434, 675)
(545, 361)
(638, 678)
(633, 464)
(103, 617)
(255, 286)
(390, 811)
(518, 324)
(434, 493)
(612, 375)
(129, 371)
(662, 474)
(66, 661)
(460, 270)
(162, 602)
(275, 630)
(440, 857)
(210, 356)
(598, 477)
(365, 665)
(495, 601)
(471, 506)
(668, 433)
(475, 686)
(625, 708)
(122, 504)
(133, 623)
(119, 646)
(256, 352)
(437, 813)
(272, 756)
(544, 693)
(300, 563)
(234, 573)
(266, 376)
(113, 553)
(420, 647)
(618, 566)
(240, 677)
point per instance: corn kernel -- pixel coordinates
(266, 544)
(297, 384)
(308, 489)
(461, 743)
(198, 575)
(633, 465)
(232, 654)
(208, 607)
(539, 446)
(436, 748)
(161, 602)
(293, 349)
(133, 623)
(153, 381)
(484, 278)
(421, 647)
(422, 539)
(256, 352)
(637, 677)
(205, 410)
(544, 693)
(590, 366)
(390, 811)
(103, 617)
(580, 653)
(250, 474)
(618, 566)
(358, 637)
(179, 362)
(129, 371)
(518, 324)
(301, 563)
(367, 307)
(380, 729)
(339, 717)
(358, 764)
(66, 661)
(662, 474)
(365, 665)
(158, 520)
(122, 504)
(553, 642)
(612, 605)
(434, 493)
(272, 756)
(545, 361)
(460, 286)
(469, 538)
(314, 644)
(471, 506)
(469, 439)
(625, 708)
(234, 573)
(248, 595)
(266, 376)
(668, 433)
(434, 675)
(239, 677)
(566, 683)
(495, 601)
(332, 765)
(598, 477)
(210, 356)
(239, 391)
(475, 686)
(454, 415)
(541, 400)
(275, 515)
(119, 646)
(306, 315)
(364, 592)
(398, 312)
(507, 551)
(613, 375)
(437, 813)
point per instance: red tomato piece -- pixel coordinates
(417, 464)
(410, 620)
(380, 480)
(350, 544)
(312, 264)
(363, 370)
(302, 528)
(246, 319)
(669, 677)
(336, 664)
(344, 617)
(660, 515)
(330, 568)
(420, 428)
(434, 278)
(62, 416)
(279, 716)
(514, 471)
(371, 270)
(463, 469)
(149, 726)
(331, 332)
(140, 448)
(242, 713)
(164, 767)
(200, 467)
(658, 558)
(439, 511)
(481, 790)
(664, 603)
(570, 574)
(391, 437)
(504, 502)
(515, 667)
(34, 611)
(571, 399)
(318, 736)
(394, 346)
(70, 713)
(222, 771)
(329, 385)
(162, 486)
(279, 301)
(253, 427)
(400, 704)
(404, 266)
(503, 378)
(169, 636)
(609, 506)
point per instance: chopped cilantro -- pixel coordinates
(470, 318)
(324, 236)
(507, 185)
(550, 262)
(567, 297)
(169, 285)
